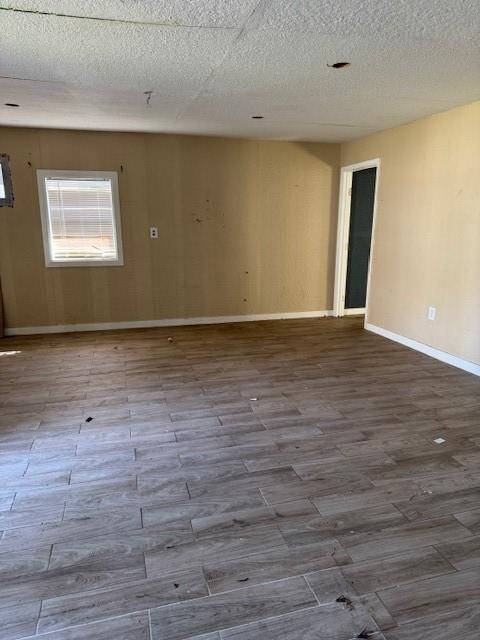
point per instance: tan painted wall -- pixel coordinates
(246, 227)
(427, 237)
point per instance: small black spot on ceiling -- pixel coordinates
(339, 65)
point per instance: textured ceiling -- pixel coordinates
(212, 64)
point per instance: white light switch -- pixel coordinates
(432, 313)
(154, 232)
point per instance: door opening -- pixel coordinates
(358, 187)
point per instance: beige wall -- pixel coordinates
(427, 237)
(246, 227)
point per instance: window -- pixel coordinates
(6, 192)
(80, 218)
(2, 184)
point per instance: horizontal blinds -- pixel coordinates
(2, 185)
(81, 219)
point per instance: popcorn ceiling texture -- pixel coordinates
(212, 64)
(201, 13)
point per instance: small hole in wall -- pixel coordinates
(257, 117)
(11, 104)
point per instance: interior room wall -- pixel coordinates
(245, 227)
(427, 234)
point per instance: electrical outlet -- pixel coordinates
(154, 233)
(432, 313)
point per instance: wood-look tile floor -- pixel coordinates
(275, 480)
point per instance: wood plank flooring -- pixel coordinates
(274, 479)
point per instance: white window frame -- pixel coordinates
(112, 177)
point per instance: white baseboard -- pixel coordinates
(169, 322)
(466, 365)
(354, 312)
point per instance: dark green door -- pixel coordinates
(360, 237)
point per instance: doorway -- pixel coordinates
(356, 218)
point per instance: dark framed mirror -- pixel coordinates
(6, 190)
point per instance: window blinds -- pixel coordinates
(81, 219)
(2, 184)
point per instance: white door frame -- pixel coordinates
(343, 228)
